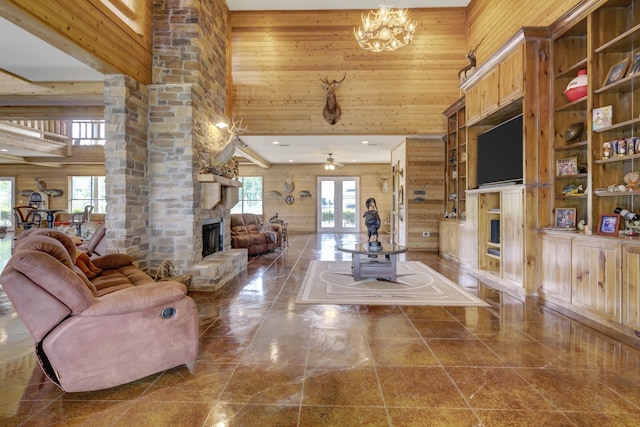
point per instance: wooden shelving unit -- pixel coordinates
(570, 56)
(456, 157)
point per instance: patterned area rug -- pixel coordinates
(331, 282)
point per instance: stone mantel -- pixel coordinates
(218, 189)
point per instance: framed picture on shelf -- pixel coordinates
(635, 65)
(616, 72)
(565, 218)
(602, 117)
(609, 224)
(566, 167)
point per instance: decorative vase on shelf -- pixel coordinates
(577, 88)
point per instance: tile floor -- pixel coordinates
(265, 361)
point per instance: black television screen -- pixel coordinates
(500, 154)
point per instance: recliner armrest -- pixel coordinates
(137, 298)
(112, 261)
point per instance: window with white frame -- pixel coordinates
(88, 132)
(87, 190)
(250, 195)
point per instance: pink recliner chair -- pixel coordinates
(87, 339)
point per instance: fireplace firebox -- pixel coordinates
(212, 236)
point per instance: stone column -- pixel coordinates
(126, 156)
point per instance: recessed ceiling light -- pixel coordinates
(290, 160)
(275, 142)
(4, 149)
(365, 142)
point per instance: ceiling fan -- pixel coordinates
(331, 163)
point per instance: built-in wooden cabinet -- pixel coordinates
(449, 234)
(555, 277)
(631, 287)
(468, 234)
(472, 102)
(499, 85)
(490, 92)
(511, 83)
(595, 277)
(501, 240)
(489, 243)
(511, 70)
(512, 235)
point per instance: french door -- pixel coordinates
(7, 190)
(338, 210)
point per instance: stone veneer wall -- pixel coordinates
(126, 156)
(187, 96)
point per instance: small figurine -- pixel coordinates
(622, 148)
(606, 150)
(572, 189)
(632, 180)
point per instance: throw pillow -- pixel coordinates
(83, 262)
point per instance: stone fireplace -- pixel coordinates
(159, 136)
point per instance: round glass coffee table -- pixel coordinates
(378, 264)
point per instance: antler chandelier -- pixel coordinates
(385, 29)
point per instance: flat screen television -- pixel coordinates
(500, 158)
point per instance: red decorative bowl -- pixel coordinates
(577, 88)
(576, 93)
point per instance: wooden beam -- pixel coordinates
(89, 32)
(14, 91)
(38, 145)
(52, 112)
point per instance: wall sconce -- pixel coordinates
(385, 184)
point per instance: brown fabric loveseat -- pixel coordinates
(93, 334)
(249, 232)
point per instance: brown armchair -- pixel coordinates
(90, 335)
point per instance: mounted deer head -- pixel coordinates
(332, 109)
(233, 142)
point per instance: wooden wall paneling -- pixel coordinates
(278, 59)
(90, 32)
(493, 22)
(301, 216)
(425, 167)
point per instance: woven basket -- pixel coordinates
(167, 272)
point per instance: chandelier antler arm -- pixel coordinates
(385, 29)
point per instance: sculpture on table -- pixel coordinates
(372, 221)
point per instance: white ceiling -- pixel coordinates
(50, 64)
